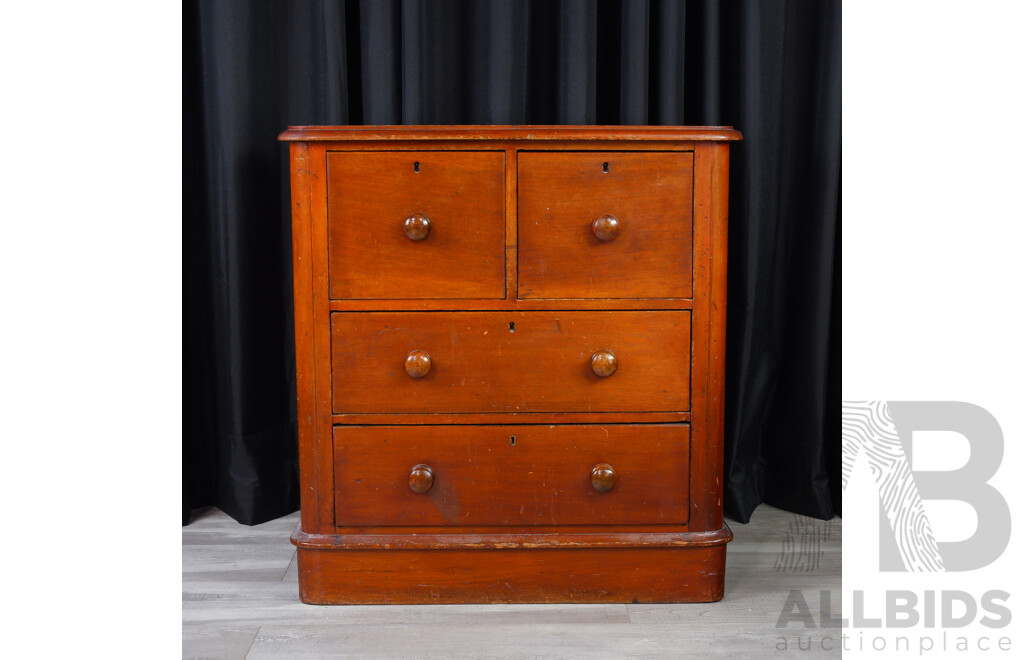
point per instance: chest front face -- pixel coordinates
(510, 359)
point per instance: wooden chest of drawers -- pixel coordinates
(509, 358)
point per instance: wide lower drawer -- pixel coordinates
(485, 362)
(511, 475)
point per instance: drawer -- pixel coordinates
(454, 203)
(479, 362)
(641, 246)
(511, 475)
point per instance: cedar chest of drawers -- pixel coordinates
(509, 361)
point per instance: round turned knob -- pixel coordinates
(606, 227)
(417, 227)
(421, 478)
(417, 364)
(604, 363)
(603, 477)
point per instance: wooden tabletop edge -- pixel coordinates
(485, 132)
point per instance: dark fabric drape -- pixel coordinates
(771, 69)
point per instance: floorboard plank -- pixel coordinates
(208, 640)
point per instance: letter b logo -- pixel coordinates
(883, 431)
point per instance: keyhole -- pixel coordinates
(512, 440)
(511, 327)
(416, 167)
(605, 167)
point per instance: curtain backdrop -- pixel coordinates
(771, 69)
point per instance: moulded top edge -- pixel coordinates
(319, 133)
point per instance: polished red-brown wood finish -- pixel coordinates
(416, 224)
(478, 362)
(510, 362)
(511, 475)
(605, 224)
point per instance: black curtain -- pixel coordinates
(771, 69)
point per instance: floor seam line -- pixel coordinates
(248, 650)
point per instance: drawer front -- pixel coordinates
(511, 475)
(416, 224)
(641, 244)
(480, 362)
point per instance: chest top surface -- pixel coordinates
(526, 132)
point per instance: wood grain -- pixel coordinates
(317, 167)
(505, 538)
(561, 575)
(509, 304)
(305, 360)
(511, 475)
(710, 243)
(524, 133)
(712, 492)
(373, 193)
(561, 195)
(511, 418)
(479, 364)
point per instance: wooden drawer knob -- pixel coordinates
(417, 364)
(421, 478)
(603, 477)
(606, 227)
(604, 363)
(417, 227)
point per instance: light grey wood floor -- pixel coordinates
(240, 600)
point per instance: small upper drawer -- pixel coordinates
(416, 224)
(605, 224)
